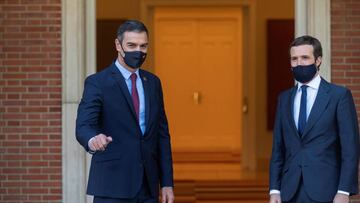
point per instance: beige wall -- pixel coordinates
(265, 9)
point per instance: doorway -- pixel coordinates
(73, 17)
(198, 56)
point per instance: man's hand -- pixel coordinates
(341, 198)
(167, 195)
(275, 198)
(99, 142)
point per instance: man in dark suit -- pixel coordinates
(316, 137)
(121, 120)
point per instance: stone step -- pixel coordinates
(239, 191)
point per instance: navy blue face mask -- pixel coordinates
(304, 74)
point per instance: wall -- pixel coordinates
(345, 42)
(346, 45)
(30, 83)
(275, 9)
(117, 9)
(30, 101)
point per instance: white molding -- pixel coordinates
(312, 17)
(90, 67)
(300, 18)
(77, 61)
(90, 37)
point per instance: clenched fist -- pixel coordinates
(99, 142)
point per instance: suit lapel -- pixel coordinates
(320, 104)
(124, 90)
(290, 111)
(147, 91)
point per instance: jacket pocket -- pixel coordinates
(107, 157)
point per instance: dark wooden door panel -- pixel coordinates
(280, 33)
(105, 46)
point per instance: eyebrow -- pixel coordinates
(133, 43)
(302, 56)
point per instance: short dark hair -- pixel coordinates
(308, 40)
(131, 26)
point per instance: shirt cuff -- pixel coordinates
(90, 151)
(343, 192)
(272, 192)
(278, 192)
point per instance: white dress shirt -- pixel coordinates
(139, 86)
(312, 90)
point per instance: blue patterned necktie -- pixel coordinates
(302, 114)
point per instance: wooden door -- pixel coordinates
(198, 56)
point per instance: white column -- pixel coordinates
(312, 17)
(90, 68)
(300, 18)
(73, 73)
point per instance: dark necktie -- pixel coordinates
(134, 94)
(302, 114)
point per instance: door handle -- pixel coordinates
(245, 107)
(196, 97)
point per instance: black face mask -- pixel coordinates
(304, 74)
(134, 59)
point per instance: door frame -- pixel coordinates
(313, 17)
(79, 49)
(78, 60)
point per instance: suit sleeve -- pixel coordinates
(164, 146)
(87, 121)
(277, 157)
(349, 142)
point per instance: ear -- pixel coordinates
(118, 47)
(318, 61)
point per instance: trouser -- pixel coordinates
(301, 196)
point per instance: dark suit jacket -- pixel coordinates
(326, 156)
(106, 107)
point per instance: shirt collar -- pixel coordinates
(314, 83)
(124, 72)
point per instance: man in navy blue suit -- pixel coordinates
(315, 152)
(121, 120)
